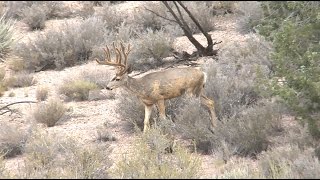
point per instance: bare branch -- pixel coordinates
(160, 15)
(6, 107)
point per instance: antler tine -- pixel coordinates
(107, 52)
(125, 53)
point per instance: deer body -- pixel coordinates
(164, 84)
(156, 87)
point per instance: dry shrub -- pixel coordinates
(16, 63)
(250, 15)
(290, 162)
(232, 81)
(49, 113)
(104, 135)
(99, 75)
(20, 79)
(77, 89)
(149, 160)
(35, 16)
(3, 86)
(132, 110)
(202, 13)
(111, 16)
(222, 7)
(53, 156)
(17, 10)
(149, 49)
(12, 140)
(42, 93)
(63, 47)
(86, 10)
(145, 19)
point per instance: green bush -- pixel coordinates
(6, 36)
(294, 28)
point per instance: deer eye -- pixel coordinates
(117, 79)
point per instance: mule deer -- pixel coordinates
(156, 87)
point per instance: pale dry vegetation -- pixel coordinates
(49, 113)
(256, 136)
(12, 141)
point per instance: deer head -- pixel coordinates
(122, 69)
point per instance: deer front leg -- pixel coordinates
(210, 104)
(162, 109)
(147, 114)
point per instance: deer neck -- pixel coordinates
(134, 85)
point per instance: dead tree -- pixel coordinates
(179, 19)
(6, 109)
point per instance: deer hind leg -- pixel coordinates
(210, 104)
(147, 114)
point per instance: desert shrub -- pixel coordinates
(104, 135)
(293, 27)
(86, 10)
(15, 63)
(51, 9)
(20, 79)
(3, 86)
(250, 15)
(144, 19)
(59, 48)
(249, 134)
(239, 168)
(77, 89)
(132, 110)
(35, 16)
(99, 75)
(49, 113)
(111, 16)
(42, 93)
(149, 160)
(284, 162)
(54, 156)
(289, 162)
(6, 36)
(149, 49)
(201, 12)
(232, 81)
(221, 7)
(2, 73)
(12, 140)
(14, 8)
(2, 89)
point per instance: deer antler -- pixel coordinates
(121, 67)
(108, 61)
